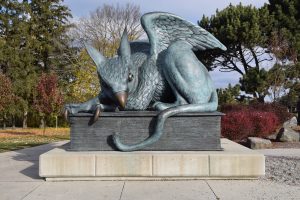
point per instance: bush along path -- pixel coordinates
(254, 120)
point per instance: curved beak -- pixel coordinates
(121, 98)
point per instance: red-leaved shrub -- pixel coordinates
(280, 110)
(243, 121)
(236, 125)
(264, 123)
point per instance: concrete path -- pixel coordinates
(19, 180)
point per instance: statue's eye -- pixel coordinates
(130, 77)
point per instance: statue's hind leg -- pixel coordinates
(186, 75)
(162, 106)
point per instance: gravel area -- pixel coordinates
(283, 169)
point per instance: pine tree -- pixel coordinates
(16, 59)
(243, 30)
(48, 27)
(32, 39)
(285, 45)
(287, 22)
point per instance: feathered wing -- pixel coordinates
(164, 28)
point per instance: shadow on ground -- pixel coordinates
(30, 158)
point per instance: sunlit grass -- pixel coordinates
(14, 139)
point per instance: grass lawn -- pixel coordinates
(14, 139)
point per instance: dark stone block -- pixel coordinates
(182, 132)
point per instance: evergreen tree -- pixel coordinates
(287, 23)
(32, 39)
(229, 95)
(243, 30)
(16, 59)
(285, 45)
(48, 27)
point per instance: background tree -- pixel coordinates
(49, 99)
(32, 39)
(285, 45)
(16, 59)
(242, 29)
(48, 26)
(229, 95)
(105, 25)
(287, 23)
(6, 92)
(84, 82)
(6, 97)
(255, 83)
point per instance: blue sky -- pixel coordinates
(191, 10)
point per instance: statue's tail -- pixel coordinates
(161, 118)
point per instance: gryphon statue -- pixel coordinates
(163, 74)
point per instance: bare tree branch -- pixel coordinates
(105, 25)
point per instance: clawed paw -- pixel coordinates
(66, 112)
(97, 114)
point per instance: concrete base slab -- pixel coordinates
(234, 162)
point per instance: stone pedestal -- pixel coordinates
(235, 161)
(183, 132)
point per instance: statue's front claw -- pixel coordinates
(96, 114)
(69, 109)
(66, 114)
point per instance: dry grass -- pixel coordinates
(14, 139)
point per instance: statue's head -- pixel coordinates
(118, 76)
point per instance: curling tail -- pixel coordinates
(162, 117)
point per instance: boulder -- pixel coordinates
(272, 137)
(259, 143)
(287, 134)
(290, 123)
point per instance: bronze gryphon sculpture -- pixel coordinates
(163, 74)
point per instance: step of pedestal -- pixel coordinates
(235, 161)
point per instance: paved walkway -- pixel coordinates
(19, 180)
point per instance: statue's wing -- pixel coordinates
(138, 46)
(164, 28)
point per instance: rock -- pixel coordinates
(259, 143)
(290, 123)
(287, 134)
(272, 137)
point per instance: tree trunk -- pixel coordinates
(42, 124)
(261, 99)
(25, 119)
(13, 122)
(4, 121)
(56, 122)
